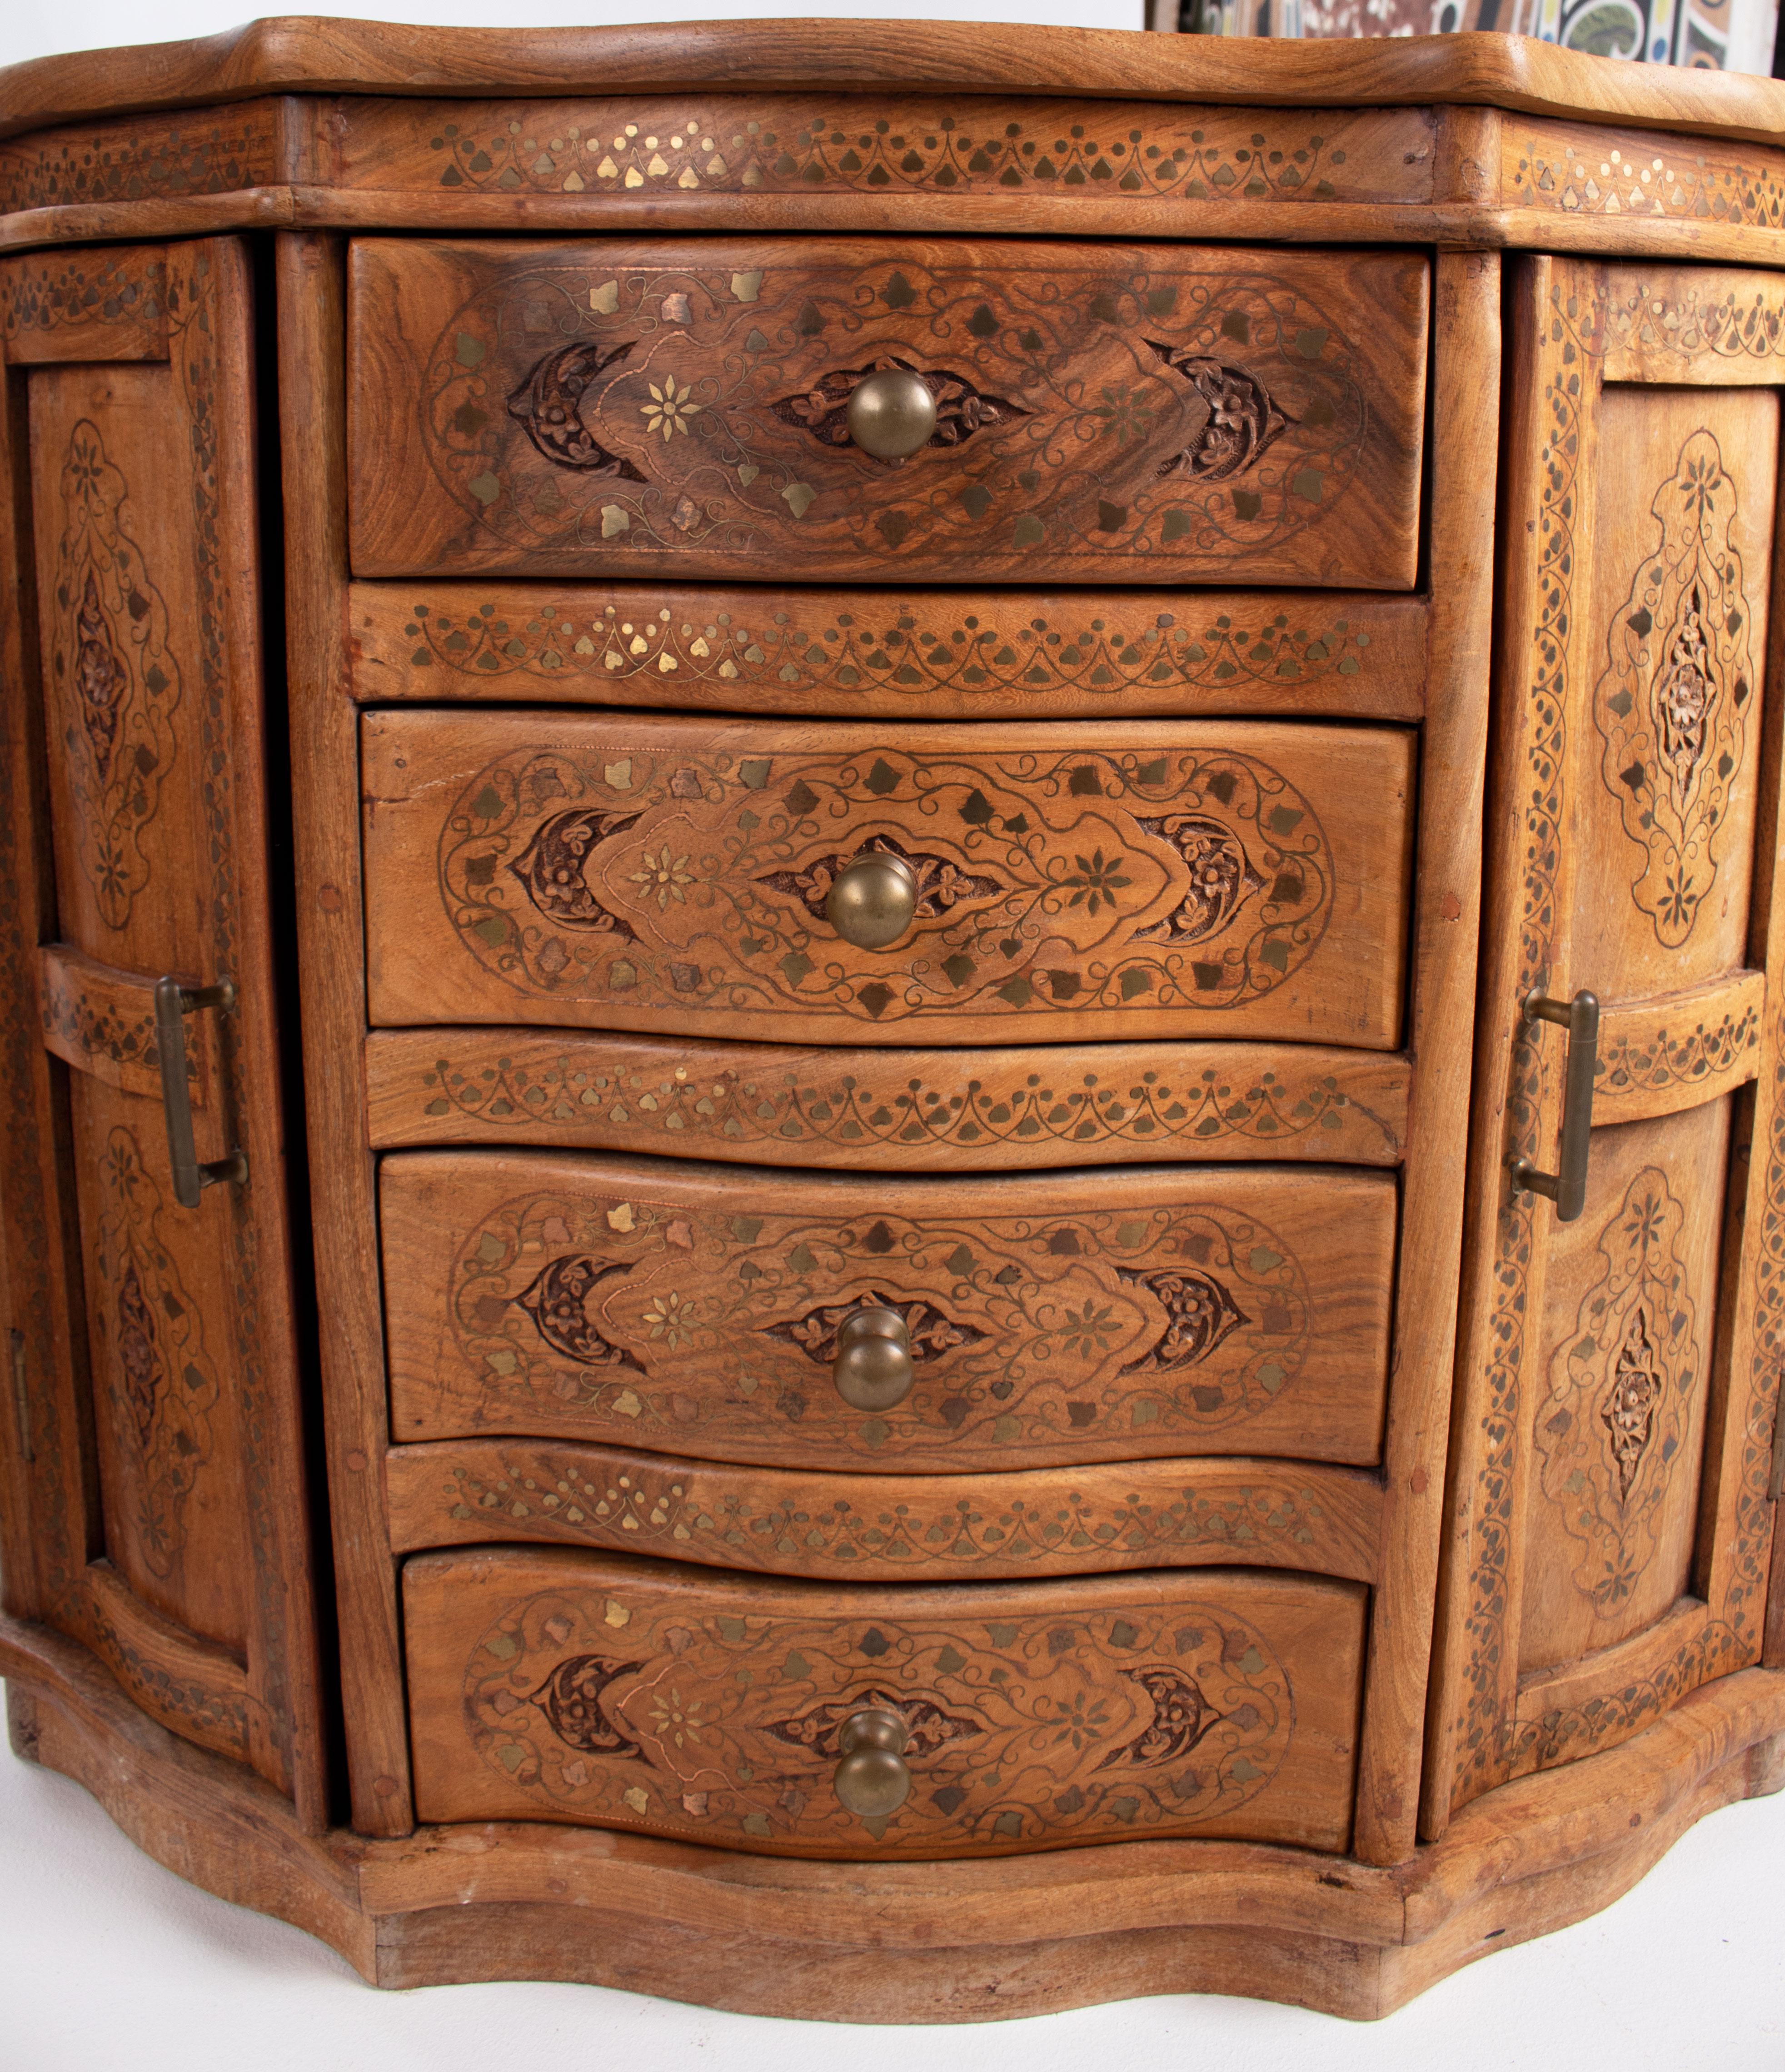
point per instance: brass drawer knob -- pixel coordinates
(874, 901)
(891, 414)
(873, 1369)
(872, 1780)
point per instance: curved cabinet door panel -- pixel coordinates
(707, 1310)
(1114, 414)
(1199, 877)
(622, 1693)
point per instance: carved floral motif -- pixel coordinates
(1242, 421)
(558, 1303)
(116, 678)
(1671, 703)
(547, 405)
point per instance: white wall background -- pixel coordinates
(107, 1960)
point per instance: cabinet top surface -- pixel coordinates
(308, 54)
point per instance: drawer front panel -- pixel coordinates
(616, 871)
(702, 1310)
(1154, 414)
(634, 1694)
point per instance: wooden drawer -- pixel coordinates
(1111, 414)
(635, 1694)
(690, 1308)
(1198, 877)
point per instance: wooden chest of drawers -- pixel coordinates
(787, 922)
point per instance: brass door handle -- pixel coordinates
(873, 1369)
(173, 1003)
(874, 901)
(872, 1781)
(1566, 1187)
(892, 414)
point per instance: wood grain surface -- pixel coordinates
(671, 875)
(299, 54)
(594, 1688)
(1158, 415)
(1066, 1318)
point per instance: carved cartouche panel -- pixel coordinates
(1150, 414)
(159, 1374)
(628, 1694)
(115, 678)
(1612, 1430)
(671, 875)
(1671, 703)
(698, 1312)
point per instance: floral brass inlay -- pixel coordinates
(1043, 880)
(661, 1325)
(720, 1722)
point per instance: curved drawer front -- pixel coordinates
(703, 1310)
(1199, 877)
(635, 1694)
(1126, 414)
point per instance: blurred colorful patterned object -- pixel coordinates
(1720, 35)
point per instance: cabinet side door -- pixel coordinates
(157, 1396)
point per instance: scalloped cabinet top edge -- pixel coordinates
(1036, 1114)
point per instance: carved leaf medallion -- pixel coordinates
(1221, 880)
(138, 1355)
(1243, 420)
(1200, 1313)
(551, 868)
(547, 404)
(961, 410)
(1182, 1716)
(1629, 1413)
(100, 677)
(1670, 701)
(571, 1698)
(1620, 1387)
(558, 1303)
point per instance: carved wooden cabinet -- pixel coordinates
(890, 975)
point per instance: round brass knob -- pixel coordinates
(872, 1781)
(873, 1369)
(891, 414)
(874, 901)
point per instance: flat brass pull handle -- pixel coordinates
(1566, 1186)
(873, 1369)
(173, 1003)
(874, 901)
(872, 1780)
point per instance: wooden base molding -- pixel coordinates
(905, 1943)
